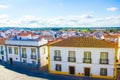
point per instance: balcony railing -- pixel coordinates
(24, 55)
(57, 58)
(71, 59)
(1, 52)
(104, 61)
(33, 56)
(87, 60)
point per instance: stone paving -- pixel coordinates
(8, 72)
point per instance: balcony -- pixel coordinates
(104, 61)
(24, 55)
(87, 60)
(71, 59)
(2, 52)
(33, 57)
(57, 58)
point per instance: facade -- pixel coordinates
(118, 55)
(82, 56)
(2, 50)
(30, 53)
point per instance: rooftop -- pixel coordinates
(15, 39)
(83, 42)
(2, 40)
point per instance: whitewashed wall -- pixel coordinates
(95, 66)
(5, 59)
(28, 51)
(43, 55)
(15, 57)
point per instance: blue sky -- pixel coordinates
(59, 13)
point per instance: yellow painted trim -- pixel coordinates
(81, 74)
(115, 64)
(48, 58)
(77, 74)
(58, 72)
(118, 61)
(105, 77)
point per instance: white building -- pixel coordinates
(82, 56)
(2, 50)
(27, 52)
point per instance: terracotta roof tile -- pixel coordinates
(2, 40)
(111, 36)
(26, 34)
(83, 42)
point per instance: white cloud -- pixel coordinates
(3, 16)
(112, 9)
(60, 21)
(3, 6)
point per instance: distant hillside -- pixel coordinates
(111, 29)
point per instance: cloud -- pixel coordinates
(3, 6)
(3, 16)
(61, 21)
(112, 9)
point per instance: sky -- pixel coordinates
(59, 13)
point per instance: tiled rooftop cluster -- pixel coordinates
(50, 35)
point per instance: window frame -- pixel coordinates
(57, 54)
(103, 73)
(16, 49)
(70, 54)
(58, 67)
(10, 50)
(33, 51)
(23, 50)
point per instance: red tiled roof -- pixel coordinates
(2, 40)
(83, 42)
(26, 34)
(111, 36)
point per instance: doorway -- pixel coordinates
(11, 61)
(71, 69)
(87, 71)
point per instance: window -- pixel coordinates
(16, 50)
(24, 61)
(71, 56)
(23, 50)
(10, 50)
(33, 51)
(34, 62)
(71, 53)
(57, 55)
(1, 50)
(58, 67)
(87, 57)
(104, 57)
(103, 71)
(24, 55)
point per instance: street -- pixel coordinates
(8, 72)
